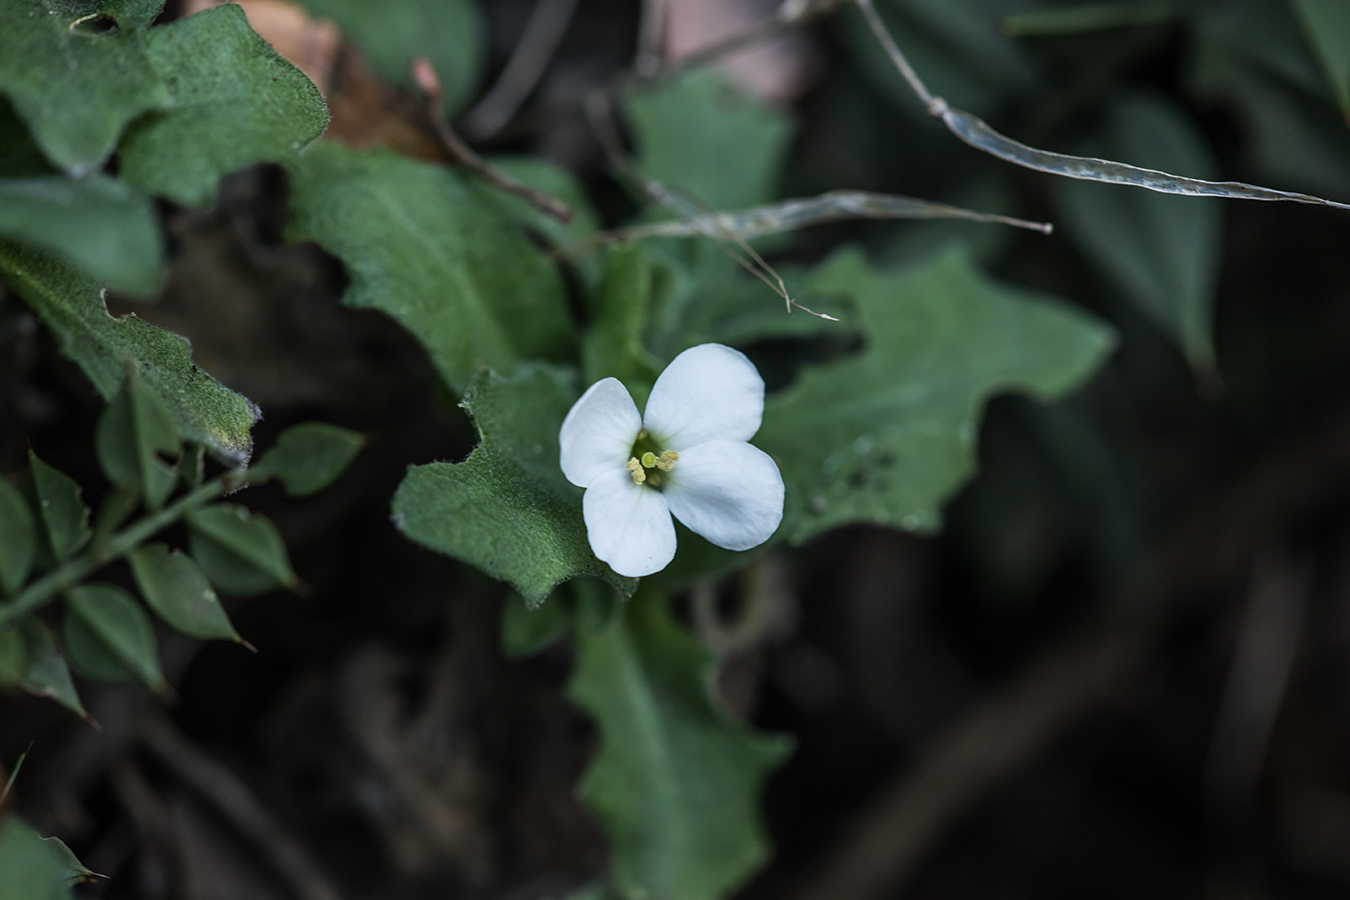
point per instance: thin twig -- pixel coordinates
(233, 799)
(651, 35)
(888, 44)
(424, 75)
(544, 31)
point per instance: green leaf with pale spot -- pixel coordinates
(507, 509)
(72, 306)
(97, 224)
(122, 625)
(425, 245)
(675, 782)
(127, 14)
(886, 435)
(232, 102)
(392, 33)
(1161, 249)
(708, 139)
(175, 588)
(1326, 24)
(76, 90)
(61, 509)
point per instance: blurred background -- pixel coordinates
(1122, 668)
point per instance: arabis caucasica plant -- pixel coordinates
(686, 456)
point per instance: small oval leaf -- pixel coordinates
(46, 674)
(135, 435)
(63, 512)
(309, 457)
(18, 538)
(175, 588)
(240, 553)
(116, 617)
(90, 655)
(13, 656)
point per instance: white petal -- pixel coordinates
(598, 433)
(629, 526)
(728, 491)
(707, 393)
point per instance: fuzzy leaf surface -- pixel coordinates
(76, 90)
(232, 102)
(886, 435)
(507, 509)
(72, 306)
(676, 782)
(427, 247)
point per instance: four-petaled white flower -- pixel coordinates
(687, 456)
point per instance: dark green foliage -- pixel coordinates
(308, 457)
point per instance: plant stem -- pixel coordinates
(115, 547)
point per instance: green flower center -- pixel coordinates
(648, 461)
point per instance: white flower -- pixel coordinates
(686, 456)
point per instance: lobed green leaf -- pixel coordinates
(676, 782)
(72, 306)
(507, 508)
(886, 435)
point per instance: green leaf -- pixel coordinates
(29, 867)
(613, 345)
(135, 433)
(233, 102)
(72, 306)
(13, 657)
(241, 553)
(702, 136)
(98, 225)
(393, 33)
(90, 655)
(308, 457)
(69, 864)
(175, 588)
(886, 435)
(62, 510)
(527, 629)
(77, 91)
(46, 674)
(1162, 250)
(676, 782)
(116, 618)
(426, 246)
(1326, 23)
(507, 509)
(18, 538)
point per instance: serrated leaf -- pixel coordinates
(134, 436)
(118, 620)
(29, 868)
(232, 102)
(706, 138)
(46, 674)
(13, 656)
(393, 33)
(886, 435)
(1326, 23)
(676, 782)
(1162, 250)
(90, 655)
(507, 508)
(72, 306)
(77, 91)
(18, 538)
(425, 245)
(308, 457)
(175, 588)
(97, 224)
(240, 552)
(60, 507)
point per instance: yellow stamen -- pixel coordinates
(667, 460)
(635, 469)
